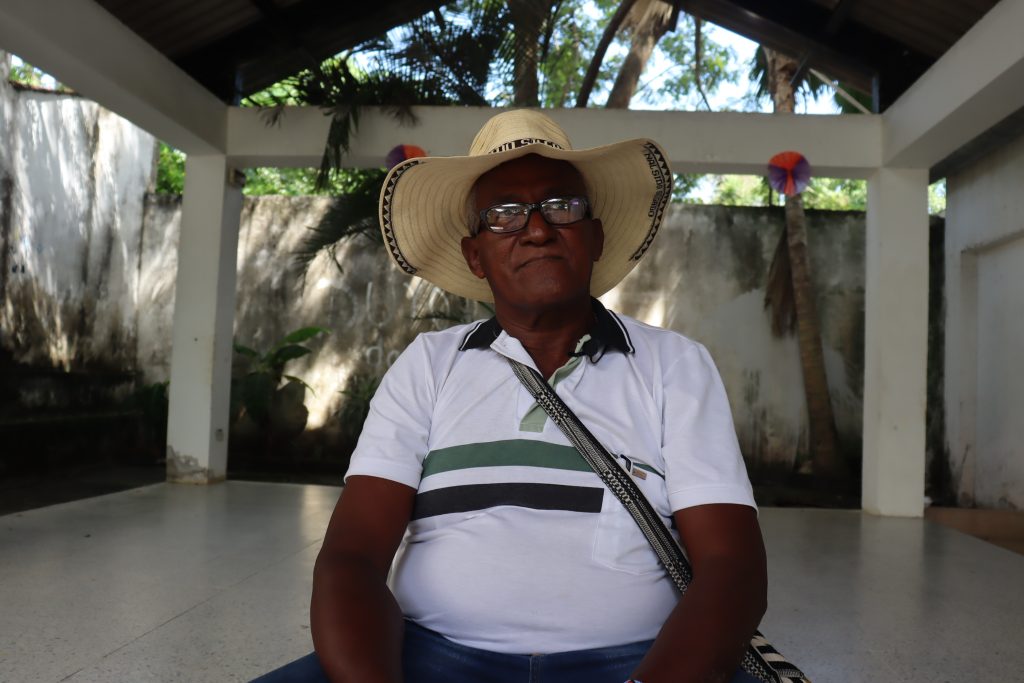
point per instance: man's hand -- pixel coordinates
(704, 637)
(357, 625)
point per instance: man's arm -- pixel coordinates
(704, 637)
(356, 623)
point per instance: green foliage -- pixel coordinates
(836, 194)
(832, 194)
(259, 393)
(741, 190)
(684, 186)
(292, 182)
(937, 197)
(447, 57)
(358, 393)
(170, 171)
(296, 182)
(809, 87)
(24, 74)
(570, 38)
(353, 213)
(680, 85)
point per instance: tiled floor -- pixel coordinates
(180, 583)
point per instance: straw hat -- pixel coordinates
(424, 214)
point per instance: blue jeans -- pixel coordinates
(429, 657)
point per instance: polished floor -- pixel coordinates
(182, 583)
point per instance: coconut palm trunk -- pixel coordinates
(825, 460)
(528, 17)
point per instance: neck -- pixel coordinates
(548, 335)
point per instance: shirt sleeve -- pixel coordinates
(702, 456)
(393, 442)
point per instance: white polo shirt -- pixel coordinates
(515, 545)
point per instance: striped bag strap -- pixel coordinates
(760, 660)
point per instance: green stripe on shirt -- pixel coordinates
(513, 452)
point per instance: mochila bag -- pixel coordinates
(760, 660)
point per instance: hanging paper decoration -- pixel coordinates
(400, 153)
(789, 173)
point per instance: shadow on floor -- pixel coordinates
(28, 491)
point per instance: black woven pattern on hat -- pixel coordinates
(386, 221)
(662, 192)
(523, 142)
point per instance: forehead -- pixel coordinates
(527, 178)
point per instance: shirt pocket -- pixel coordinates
(619, 543)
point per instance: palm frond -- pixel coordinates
(353, 214)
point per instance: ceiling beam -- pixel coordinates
(696, 142)
(973, 87)
(86, 48)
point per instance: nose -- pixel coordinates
(538, 230)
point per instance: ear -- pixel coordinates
(598, 233)
(471, 252)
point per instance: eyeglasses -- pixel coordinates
(558, 211)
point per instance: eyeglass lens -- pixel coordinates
(557, 211)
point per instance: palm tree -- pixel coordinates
(789, 293)
(440, 62)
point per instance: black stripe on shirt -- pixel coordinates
(482, 496)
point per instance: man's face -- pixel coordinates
(541, 266)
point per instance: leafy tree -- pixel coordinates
(569, 41)
(741, 190)
(23, 74)
(700, 66)
(836, 194)
(465, 53)
(170, 170)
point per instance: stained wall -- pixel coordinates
(89, 261)
(984, 330)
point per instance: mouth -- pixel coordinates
(537, 259)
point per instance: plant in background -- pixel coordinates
(170, 170)
(150, 400)
(268, 397)
(358, 392)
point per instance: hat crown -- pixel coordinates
(518, 128)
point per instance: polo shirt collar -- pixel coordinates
(607, 334)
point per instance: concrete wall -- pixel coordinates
(72, 181)
(984, 384)
(704, 277)
(89, 262)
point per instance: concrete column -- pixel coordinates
(204, 311)
(895, 342)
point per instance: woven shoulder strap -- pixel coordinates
(760, 660)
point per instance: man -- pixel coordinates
(515, 562)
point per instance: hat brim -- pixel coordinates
(423, 209)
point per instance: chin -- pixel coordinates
(547, 297)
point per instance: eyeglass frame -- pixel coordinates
(530, 208)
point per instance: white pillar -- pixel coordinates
(204, 312)
(895, 342)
